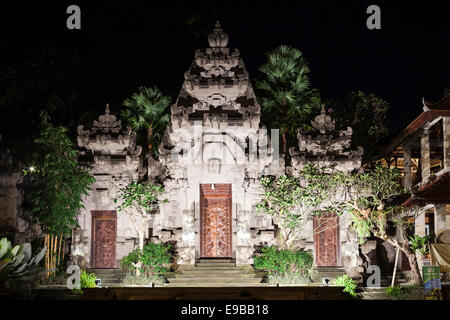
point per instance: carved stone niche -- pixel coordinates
(214, 166)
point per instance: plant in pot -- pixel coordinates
(421, 245)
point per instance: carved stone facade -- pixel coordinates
(328, 148)
(213, 138)
(211, 159)
(111, 154)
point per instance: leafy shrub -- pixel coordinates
(87, 280)
(283, 262)
(131, 279)
(155, 259)
(410, 292)
(348, 283)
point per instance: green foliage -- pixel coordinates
(294, 201)
(284, 91)
(17, 263)
(147, 113)
(350, 285)
(366, 114)
(420, 244)
(59, 182)
(155, 258)
(284, 262)
(141, 196)
(409, 292)
(373, 204)
(393, 292)
(87, 280)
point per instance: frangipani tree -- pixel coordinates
(375, 206)
(139, 200)
(292, 202)
(370, 198)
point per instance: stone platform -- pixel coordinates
(224, 293)
(215, 273)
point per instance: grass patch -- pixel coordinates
(409, 292)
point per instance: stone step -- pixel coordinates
(110, 276)
(215, 260)
(214, 280)
(105, 271)
(210, 269)
(215, 264)
(214, 271)
(215, 275)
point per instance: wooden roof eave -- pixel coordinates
(414, 126)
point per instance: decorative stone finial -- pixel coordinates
(323, 122)
(107, 109)
(218, 38)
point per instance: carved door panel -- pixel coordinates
(326, 239)
(104, 233)
(215, 226)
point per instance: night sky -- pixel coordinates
(125, 44)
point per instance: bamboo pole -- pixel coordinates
(51, 251)
(55, 244)
(63, 249)
(46, 244)
(59, 250)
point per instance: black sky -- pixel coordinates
(404, 61)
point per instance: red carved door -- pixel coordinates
(326, 239)
(215, 226)
(104, 226)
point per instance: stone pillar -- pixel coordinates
(244, 249)
(440, 219)
(446, 134)
(186, 249)
(407, 166)
(419, 224)
(425, 155)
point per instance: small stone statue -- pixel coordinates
(77, 249)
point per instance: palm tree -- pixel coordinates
(286, 97)
(146, 113)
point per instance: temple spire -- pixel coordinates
(107, 109)
(218, 38)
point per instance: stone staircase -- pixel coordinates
(109, 277)
(328, 273)
(215, 273)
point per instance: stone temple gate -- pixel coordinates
(212, 156)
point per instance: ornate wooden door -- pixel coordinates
(215, 221)
(104, 233)
(326, 239)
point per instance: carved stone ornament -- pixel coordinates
(218, 38)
